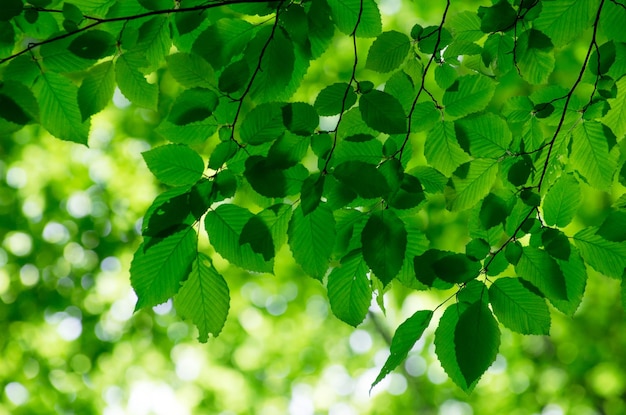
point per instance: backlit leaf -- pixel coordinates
(517, 308)
(349, 291)
(384, 240)
(311, 239)
(382, 112)
(388, 51)
(174, 164)
(442, 150)
(468, 94)
(606, 257)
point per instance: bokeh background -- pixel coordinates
(70, 342)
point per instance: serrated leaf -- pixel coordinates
(590, 153)
(442, 150)
(384, 240)
(60, 114)
(364, 178)
(226, 38)
(349, 291)
(407, 334)
(263, 124)
(476, 341)
(615, 119)
(223, 152)
(334, 98)
(518, 308)
(174, 164)
(204, 298)
(537, 267)
(468, 94)
(388, 51)
(193, 105)
(383, 112)
(564, 20)
(190, 70)
(456, 268)
(93, 44)
(614, 226)
(475, 185)
(535, 56)
(300, 118)
(606, 257)
(488, 135)
(347, 13)
(575, 274)
(133, 83)
(97, 89)
(311, 239)
(256, 233)
(224, 225)
(159, 266)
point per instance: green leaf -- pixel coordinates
(18, 104)
(192, 133)
(10, 9)
(226, 38)
(311, 239)
(407, 334)
(311, 193)
(256, 233)
(276, 217)
(263, 124)
(168, 213)
(300, 118)
(488, 135)
(190, 70)
(499, 17)
(445, 345)
(476, 341)
(442, 150)
(174, 164)
(590, 153)
(465, 26)
(493, 211)
(93, 44)
(58, 104)
(234, 77)
(384, 240)
(556, 243)
(518, 308)
(564, 20)
(606, 257)
(347, 13)
(575, 274)
(133, 83)
(537, 267)
(388, 51)
(334, 99)
(223, 152)
(475, 185)
(614, 226)
(456, 268)
(224, 225)
(468, 94)
(615, 119)
(193, 105)
(477, 249)
(535, 57)
(364, 178)
(204, 298)
(383, 112)
(96, 91)
(159, 266)
(349, 291)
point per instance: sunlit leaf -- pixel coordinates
(517, 308)
(174, 164)
(384, 240)
(349, 291)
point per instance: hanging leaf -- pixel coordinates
(468, 94)
(363, 178)
(264, 123)
(606, 257)
(517, 308)
(174, 164)
(537, 267)
(349, 291)
(475, 185)
(590, 153)
(133, 83)
(160, 265)
(96, 91)
(382, 112)
(190, 70)
(442, 150)
(407, 334)
(488, 135)
(204, 298)
(256, 233)
(311, 239)
(384, 240)
(388, 51)
(334, 98)
(93, 44)
(347, 13)
(193, 105)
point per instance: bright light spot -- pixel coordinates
(55, 233)
(397, 384)
(341, 408)
(164, 308)
(301, 402)
(338, 379)
(70, 328)
(360, 341)
(32, 207)
(154, 398)
(29, 275)
(329, 123)
(122, 309)
(316, 306)
(119, 100)
(18, 243)
(254, 293)
(276, 305)
(390, 7)
(79, 205)
(110, 264)
(498, 366)
(17, 393)
(31, 368)
(16, 177)
(101, 170)
(250, 319)
(552, 409)
(436, 374)
(5, 281)
(415, 365)
(452, 407)
(189, 363)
